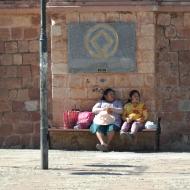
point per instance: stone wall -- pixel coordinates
(173, 68)
(162, 70)
(163, 50)
(83, 90)
(19, 78)
(19, 93)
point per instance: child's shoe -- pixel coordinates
(123, 135)
(126, 135)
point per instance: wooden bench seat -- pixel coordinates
(83, 139)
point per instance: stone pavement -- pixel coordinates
(91, 170)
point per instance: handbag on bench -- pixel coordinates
(85, 119)
(70, 119)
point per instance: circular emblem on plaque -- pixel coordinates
(101, 41)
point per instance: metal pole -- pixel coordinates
(43, 88)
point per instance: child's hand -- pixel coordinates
(128, 120)
(139, 120)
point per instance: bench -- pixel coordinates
(83, 139)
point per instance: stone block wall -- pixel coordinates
(173, 68)
(162, 76)
(83, 90)
(19, 78)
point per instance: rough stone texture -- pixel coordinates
(5, 106)
(23, 128)
(184, 105)
(173, 66)
(5, 130)
(164, 19)
(31, 105)
(162, 77)
(19, 75)
(12, 141)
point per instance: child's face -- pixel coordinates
(135, 98)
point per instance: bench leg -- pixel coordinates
(158, 132)
(157, 143)
(49, 142)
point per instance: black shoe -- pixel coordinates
(102, 147)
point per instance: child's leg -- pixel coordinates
(135, 127)
(125, 127)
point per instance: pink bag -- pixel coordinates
(85, 119)
(70, 119)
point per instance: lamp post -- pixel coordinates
(43, 88)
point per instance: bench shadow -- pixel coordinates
(110, 169)
(96, 173)
(109, 166)
(104, 169)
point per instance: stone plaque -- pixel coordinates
(102, 47)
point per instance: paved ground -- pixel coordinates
(90, 170)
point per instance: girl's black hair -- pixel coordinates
(106, 91)
(131, 94)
